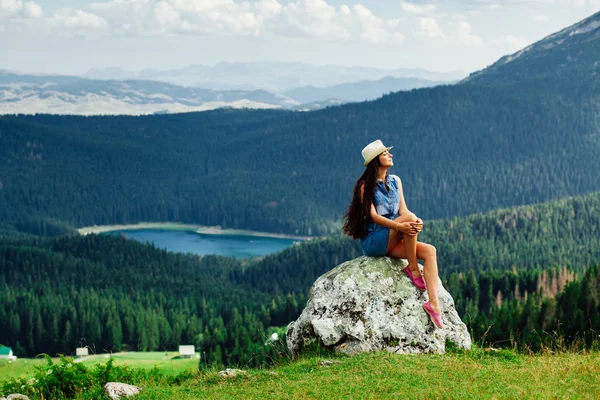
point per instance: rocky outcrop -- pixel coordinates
(369, 304)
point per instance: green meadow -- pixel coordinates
(475, 374)
(167, 363)
(502, 375)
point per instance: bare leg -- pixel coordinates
(410, 244)
(428, 254)
(430, 270)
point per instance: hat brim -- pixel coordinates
(377, 155)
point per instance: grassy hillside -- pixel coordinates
(466, 375)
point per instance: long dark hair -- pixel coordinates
(358, 214)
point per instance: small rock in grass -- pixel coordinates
(272, 373)
(328, 363)
(16, 396)
(231, 373)
(116, 389)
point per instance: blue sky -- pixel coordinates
(70, 37)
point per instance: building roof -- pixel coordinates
(187, 349)
(5, 350)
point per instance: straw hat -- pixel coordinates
(372, 150)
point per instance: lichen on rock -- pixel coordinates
(369, 304)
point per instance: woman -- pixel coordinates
(378, 216)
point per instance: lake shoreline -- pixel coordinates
(209, 230)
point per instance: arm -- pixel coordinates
(403, 209)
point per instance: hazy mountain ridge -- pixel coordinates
(272, 76)
(31, 94)
(359, 91)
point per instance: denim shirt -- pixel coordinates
(386, 203)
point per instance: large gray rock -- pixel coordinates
(369, 304)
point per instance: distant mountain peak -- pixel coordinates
(573, 49)
(586, 25)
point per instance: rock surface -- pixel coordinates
(369, 304)
(116, 389)
(15, 396)
(231, 373)
(328, 363)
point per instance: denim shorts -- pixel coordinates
(376, 242)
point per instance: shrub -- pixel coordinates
(67, 379)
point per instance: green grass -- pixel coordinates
(502, 374)
(163, 361)
(476, 374)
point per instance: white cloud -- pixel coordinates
(1, 28)
(375, 29)
(465, 36)
(417, 9)
(540, 18)
(10, 7)
(151, 17)
(298, 18)
(32, 10)
(270, 8)
(312, 18)
(429, 27)
(70, 18)
(166, 16)
(454, 33)
(16, 8)
(316, 18)
(531, 1)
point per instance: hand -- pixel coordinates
(409, 228)
(418, 224)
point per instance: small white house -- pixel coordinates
(7, 353)
(187, 351)
(81, 352)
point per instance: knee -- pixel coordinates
(430, 252)
(411, 217)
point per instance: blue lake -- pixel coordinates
(240, 246)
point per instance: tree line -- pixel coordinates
(112, 294)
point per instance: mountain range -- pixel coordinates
(490, 142)
(55, 94)
(276, 77)
(359, 91)
(30, 94)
